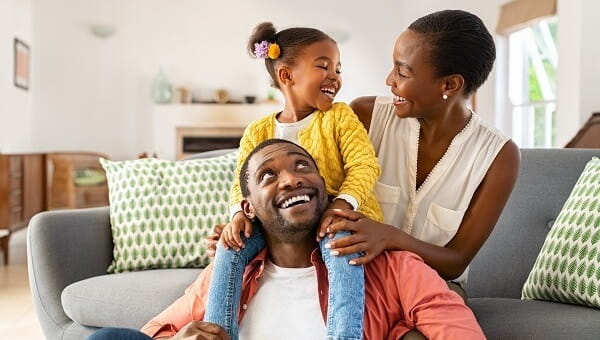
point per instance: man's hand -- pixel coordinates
(211, 241)
(200, 330)
(368, 236)
(329, 217)
(230, 238)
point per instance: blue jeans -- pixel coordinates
(118, 334)
(346, 289)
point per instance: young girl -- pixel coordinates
(304, 64)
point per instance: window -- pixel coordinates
(532, 84)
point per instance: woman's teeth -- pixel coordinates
(399, 99)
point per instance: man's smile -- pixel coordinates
(296, 198)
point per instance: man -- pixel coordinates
(285, 286)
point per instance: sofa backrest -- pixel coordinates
(545, 181)
(209, 154)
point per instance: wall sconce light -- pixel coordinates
(102, 31)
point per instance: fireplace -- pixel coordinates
(180, 130)
(194, 140)
(191, 145)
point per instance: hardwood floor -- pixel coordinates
(18, 320)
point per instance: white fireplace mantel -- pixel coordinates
(212, 118)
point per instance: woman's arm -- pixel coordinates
(363, 108)
(450, 261)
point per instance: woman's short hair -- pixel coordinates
(459, 43)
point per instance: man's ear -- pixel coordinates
(284, 76)
(453, 85)
(248, 209)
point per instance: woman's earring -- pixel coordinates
(444, 96)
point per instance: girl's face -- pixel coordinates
(413, 81)
(316, 76)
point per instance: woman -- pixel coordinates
(446, 175)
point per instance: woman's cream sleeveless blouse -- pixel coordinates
(433, 212)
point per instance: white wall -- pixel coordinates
(15, 103)
(93, 94)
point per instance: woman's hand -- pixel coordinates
(367, 236)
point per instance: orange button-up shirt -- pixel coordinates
(401, 293)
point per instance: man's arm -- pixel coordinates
(189, 307)
(427, 302)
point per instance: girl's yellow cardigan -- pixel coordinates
(339, 143)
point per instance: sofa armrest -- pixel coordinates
(63, 247)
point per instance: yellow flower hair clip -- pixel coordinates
(274, 51)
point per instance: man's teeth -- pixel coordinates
(399, 99)
(292, 200)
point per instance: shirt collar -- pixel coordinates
(257, 264)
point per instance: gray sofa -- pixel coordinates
(69, 251)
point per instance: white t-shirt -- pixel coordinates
(289, 131)
(286, 306)
(434, 212)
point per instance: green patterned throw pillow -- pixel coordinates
(568, 266)
(160, 211)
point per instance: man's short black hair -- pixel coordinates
(244, 175)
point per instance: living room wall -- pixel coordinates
(579, 70)
(15, 103)
(93, 94)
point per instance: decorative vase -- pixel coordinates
(161, 91)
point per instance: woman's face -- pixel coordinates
(413, 81)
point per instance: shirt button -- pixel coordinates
(244, 306)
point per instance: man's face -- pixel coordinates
(287, 193)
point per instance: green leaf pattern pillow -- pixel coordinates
(568, 266)
(160, 211)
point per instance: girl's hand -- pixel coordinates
(230, 238)
(367, 236)
(211, 241)
(329, 217)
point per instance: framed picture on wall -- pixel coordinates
(22, 61)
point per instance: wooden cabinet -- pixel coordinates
(63, 191)
(22, 193)
(32, 183)
(588, 136)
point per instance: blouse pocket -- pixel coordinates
(388, 197)
(441, 224)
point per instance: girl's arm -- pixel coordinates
(450, 261)
(246, 146)
(238, 222)
(360, 164)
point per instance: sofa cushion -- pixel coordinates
(127, 299)
(160, 210)
(568, 266)
(530, 319)
(546, 178)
